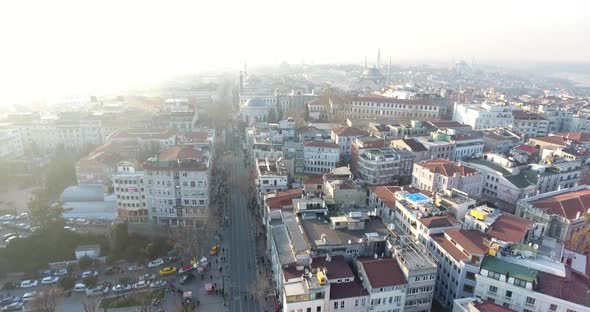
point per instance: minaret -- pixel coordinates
(245, 70)
(389, 71)
(378, 58)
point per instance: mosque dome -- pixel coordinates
(256, 102)
(371, 74)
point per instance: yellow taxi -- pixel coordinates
(214, 250)
(168, 270)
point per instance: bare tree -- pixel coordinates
(46, 300)
(90, 304)
(263, 286)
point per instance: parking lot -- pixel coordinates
(71, 301)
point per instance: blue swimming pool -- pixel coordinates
(417, 197)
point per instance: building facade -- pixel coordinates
(129, 188)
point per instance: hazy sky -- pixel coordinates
(58, 47)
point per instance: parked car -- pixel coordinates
(168, 270)
(29, 296)
(15, 306)
(80, 287)
(10, 239)
(8, 235)
(185, 278)
(94, 291)
(24, 226)
(9, 300)
(69, 228)
(7, 217)
(156, 263)
(186, 268)
(158, 284)
(140, 285)
(147, 277)
(29, 283)
(23, 216)
(49, 280)
(134, 268)
(61, 272)
(89, 274)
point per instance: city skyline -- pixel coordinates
(67, 48)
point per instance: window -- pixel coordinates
(342, 304)
(308, 310)
(553, 307)
(470, 276)
(519, 283)
(508, 294)
(318, 309)
(506, 305)
(356, 302)
(494, 275)
(468, 288)
(530, 300)
(335, 305)
(493, 289)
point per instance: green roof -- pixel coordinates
(490, 165)
(512, 270)
(522, 179)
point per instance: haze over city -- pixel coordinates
(68, 47)
(301, 156)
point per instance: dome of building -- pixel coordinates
(256, 102)
(371, 73)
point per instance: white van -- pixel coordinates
(95, 291)
(80, 287)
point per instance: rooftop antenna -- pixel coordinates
(378, 57)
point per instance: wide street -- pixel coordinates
(242, 241)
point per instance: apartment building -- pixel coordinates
(320, 157)
(484, 116)
(561, 213)
(360, 143)
(384, 166)
(384, 108)
(467, 145)
(438, 145)
(11, 144)
(531, 284)
(271, 176)
(129, 188)
(386, 284)
(148, 139)
(178, 186)
(500, 141)
(529, 124)
(390, 132)
(414, 146)
(344, 136)
(459, 253)
(439, 175)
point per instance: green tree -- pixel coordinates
(91, 281)
(44, 214)
(85, 263)
(61, 172)
(67, 282)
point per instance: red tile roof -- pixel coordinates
(383, 272)
(283, 199)
(320, 144)
(574, 287)
(314, 180)
(579, 137)
(567, 205)
(439, 221)
(348, 131)
(386, 194)
(470, 240)
(449, 247)
(336, 268)
(527, 148)
(180, 153)
(551, 140)
(291, 272)
(347, 290)
(488, 306)
(510, 228)
(414, 145)
(446, 167)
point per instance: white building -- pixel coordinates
(177, 186)
(467, 146)
(271, 175)
(439, 175)
(320, 157)
(129, 187)
(11, 144)
(344, 137)
(390, 109)
(386, 284)
(384, 166)
(483, 116)
(532, 285)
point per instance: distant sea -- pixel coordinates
(578, 79)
